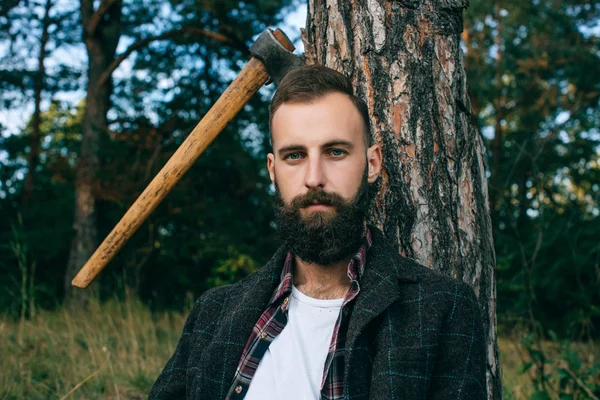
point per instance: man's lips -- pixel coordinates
(316, 205)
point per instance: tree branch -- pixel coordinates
(97, 16)
(174, 33)
(86, 10)
(579, 382)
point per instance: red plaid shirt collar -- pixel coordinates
(273, 320)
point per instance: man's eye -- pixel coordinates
(292, 156)
(337, 152)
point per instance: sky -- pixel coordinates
(293, 22)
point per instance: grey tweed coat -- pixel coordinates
(413, 334)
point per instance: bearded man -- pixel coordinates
(337, 312)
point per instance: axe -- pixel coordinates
(272, 58)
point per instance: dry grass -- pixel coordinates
(116, 351)
(515, 385)
(113, 351)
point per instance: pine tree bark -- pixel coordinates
(405, 60)
(101, 33)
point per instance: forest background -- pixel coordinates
(534, 85)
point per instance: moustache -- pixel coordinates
(317, 196)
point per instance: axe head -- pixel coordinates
(277, 59)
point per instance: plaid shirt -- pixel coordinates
(273, 321)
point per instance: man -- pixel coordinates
(337, 312)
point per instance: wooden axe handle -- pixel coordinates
(250, 79)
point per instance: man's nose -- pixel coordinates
(315, 176)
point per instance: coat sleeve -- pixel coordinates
(171, 383)
(460, 368)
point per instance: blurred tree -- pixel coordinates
(46, 225)
(101, 30)
(535, 85)
(405, 59)
(175, 60)
(40, 77)
(31, 35)
(32, 32)
(189, 24)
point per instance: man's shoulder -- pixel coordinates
(430, 281)
(211, 301)
(433, 278)
(444, 295)
(219, 294)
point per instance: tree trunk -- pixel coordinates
(499, 103)
(34, 146)
(102, 31)
(405, 60)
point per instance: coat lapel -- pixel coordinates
(380, 286)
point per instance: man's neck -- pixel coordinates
(322, 282)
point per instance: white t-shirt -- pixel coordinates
(292, 368)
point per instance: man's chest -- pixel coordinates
(294, 365)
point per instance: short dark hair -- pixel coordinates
(311, 82)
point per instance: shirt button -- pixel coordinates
(284, 306)
(263, 335)
(238, 389)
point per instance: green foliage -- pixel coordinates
(561, 368)
(535, 90)
(44, 226)
(548, 270)
(231, 269)
(218, 217)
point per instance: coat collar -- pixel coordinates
(381, 285)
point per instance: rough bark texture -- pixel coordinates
(405, 60)
(101, 35)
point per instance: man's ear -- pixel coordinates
(374, 162)
(271, 166)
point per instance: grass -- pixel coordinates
(109, 351)
(116, 351)
(515, 384)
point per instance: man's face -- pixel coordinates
(321, 168)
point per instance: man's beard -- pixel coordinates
(323, 237)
